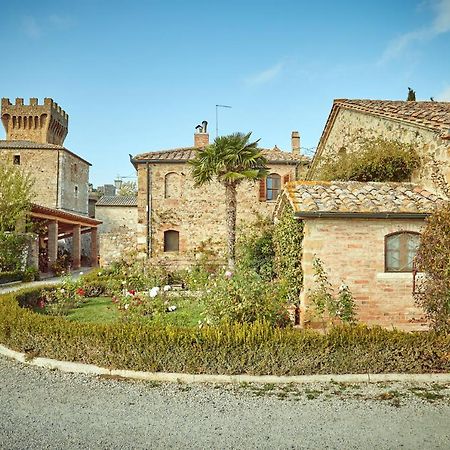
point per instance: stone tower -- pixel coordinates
(45, 124)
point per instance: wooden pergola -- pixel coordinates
(63, 224)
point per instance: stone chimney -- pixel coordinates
(201, 136)
(295, 142)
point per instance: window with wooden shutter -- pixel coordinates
(262, 190)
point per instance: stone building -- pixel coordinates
(178, 222)
(117, 233)
(35, 136)
(366, 235)
(426, 125)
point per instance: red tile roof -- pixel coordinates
(352, 197)
(432, 115)
(183, 154)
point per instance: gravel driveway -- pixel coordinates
(54, 410)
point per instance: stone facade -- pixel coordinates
(117, 233)
(45, 124)
(353, 252)
(169, 201)
(35, 136)
(34, 141)
(197, 213)
(352, 121)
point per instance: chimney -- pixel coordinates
(295, 142)
(201, 137)
(118, 184)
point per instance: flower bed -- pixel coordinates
(256, 348)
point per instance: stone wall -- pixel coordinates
(352, 251)
(42, 165)
(73, 183)
(50, 189)
(351, 127)
(198, 214)
(117, 233)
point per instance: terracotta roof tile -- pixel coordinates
(183, 154)
(355, 197)
(117, 200)
(433, 115)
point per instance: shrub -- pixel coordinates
(377, 160)
(288, 242)
(9, 277)
(255, 249)
(326, 304)
(12, 251)
(244, 297)
(61, 299)
(433, 258)
(257, 348)
(30, 274)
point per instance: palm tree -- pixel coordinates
(229, 160)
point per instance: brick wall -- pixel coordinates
(352, 251)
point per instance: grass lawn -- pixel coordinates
(95, 310)
(103, 310)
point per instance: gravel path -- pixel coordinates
(54, 410)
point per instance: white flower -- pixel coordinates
(81, 273)
(126, 305)
(166, 288)
(153, 292)
(228, 274)
(171, 308)
(63, 290)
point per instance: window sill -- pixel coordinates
(394, 275)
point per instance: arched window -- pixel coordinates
(273, 186)
(400, 250)
(171, 185)
(171, 241)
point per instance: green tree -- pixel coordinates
(229, 160)
(433, 258)
(128, 189)
(16, 194)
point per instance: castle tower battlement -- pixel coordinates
(47, 123)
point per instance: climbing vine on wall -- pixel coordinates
(288, 237)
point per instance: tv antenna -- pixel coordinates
(217, 117)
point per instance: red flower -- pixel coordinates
(132, 291)
(80, 292)
(41, 303)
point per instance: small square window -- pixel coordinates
(16, 160)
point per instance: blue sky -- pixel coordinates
(138, 76)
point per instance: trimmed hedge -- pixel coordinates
(9, 277)
(228, 349)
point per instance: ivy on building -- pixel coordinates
(288, 238)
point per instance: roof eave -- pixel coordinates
(359, 215)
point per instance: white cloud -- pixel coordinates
(444, 96)
(266, 75)
(440, 25)
(31, 28)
